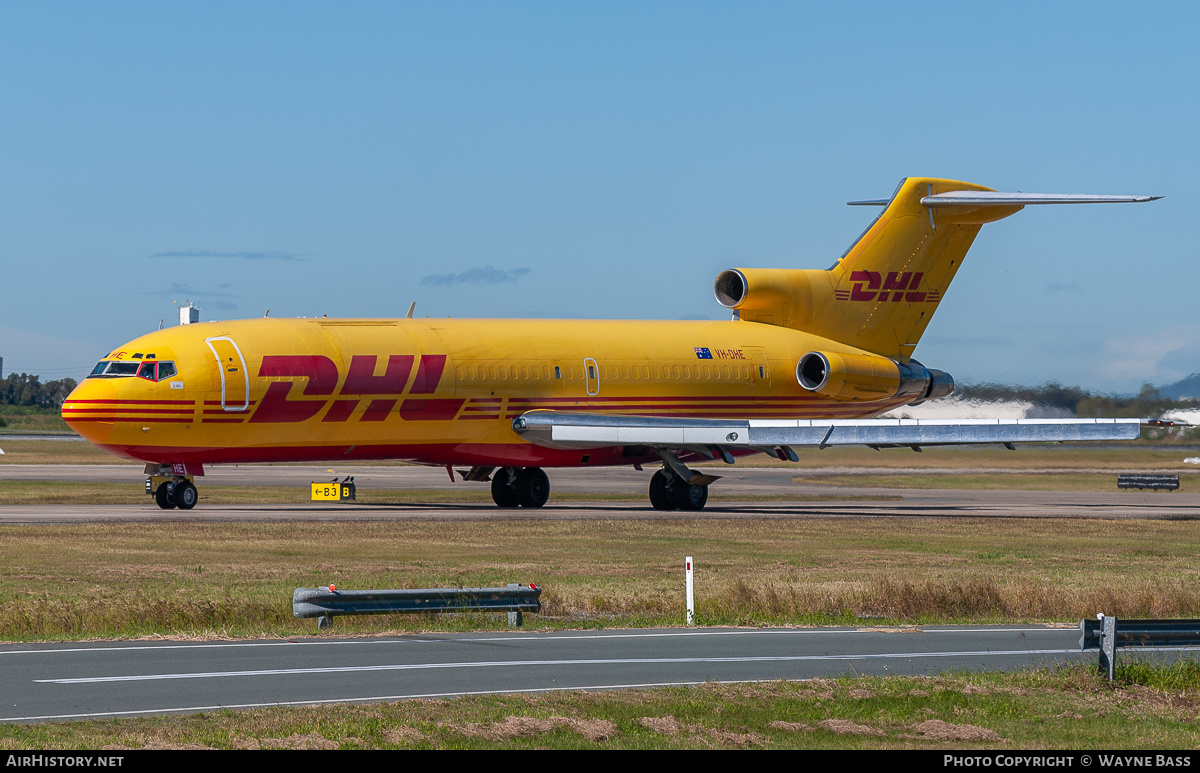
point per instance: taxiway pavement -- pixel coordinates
(42, 682)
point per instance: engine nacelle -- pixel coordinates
(775, 296)
(850, 377)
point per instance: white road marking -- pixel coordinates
(519, 663)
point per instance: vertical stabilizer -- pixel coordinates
(886, 287)
(881, 294)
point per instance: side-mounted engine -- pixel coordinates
(849, 377)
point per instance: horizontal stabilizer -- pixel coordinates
(1001, 199)
(554, 429)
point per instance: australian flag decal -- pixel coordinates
(702, 353)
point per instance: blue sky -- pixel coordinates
(590, 160)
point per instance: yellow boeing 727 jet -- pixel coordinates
(808, 358)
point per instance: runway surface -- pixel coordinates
(775, 482)
(43, 682)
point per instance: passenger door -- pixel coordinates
(231, 365)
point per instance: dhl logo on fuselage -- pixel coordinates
(323, 376)
(896, 286)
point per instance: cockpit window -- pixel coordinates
(151, 371)
(109, 369)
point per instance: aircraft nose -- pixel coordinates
(90, 409)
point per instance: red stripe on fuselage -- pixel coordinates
(495, 455)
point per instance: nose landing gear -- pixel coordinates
(170, 493)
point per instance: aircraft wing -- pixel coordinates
(712, 437)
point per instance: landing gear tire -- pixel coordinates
(503, 494)
(165, 496)
(186, 495)
(689, 497)
(660, 496)
(668, 492)
(528, 488)
(533, 487)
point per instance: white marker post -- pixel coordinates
(691, 601)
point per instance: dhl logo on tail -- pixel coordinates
(899, 285)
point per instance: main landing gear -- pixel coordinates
(173, 492)
(515, 487)
(670, 492)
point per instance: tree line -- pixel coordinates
(22, 389)
(1146, 403)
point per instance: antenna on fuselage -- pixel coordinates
(411, 307)
(266, 313)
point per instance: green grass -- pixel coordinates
(1148, 707)
(17, 419)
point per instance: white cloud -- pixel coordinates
(1157, 357)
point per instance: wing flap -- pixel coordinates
(554, 429)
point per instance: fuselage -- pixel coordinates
(431, 391)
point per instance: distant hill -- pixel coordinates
(1184, 389)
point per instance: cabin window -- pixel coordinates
(591, 371)
(557, 372)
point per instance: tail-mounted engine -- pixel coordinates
(775, 296)
(849, 377)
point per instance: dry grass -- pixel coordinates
(1074, 708)
(236, 579)
(54, 452)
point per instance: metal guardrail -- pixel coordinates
(1106, 634)
(325, 603)
(1141, 481)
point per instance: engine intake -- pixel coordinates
(776, 296)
